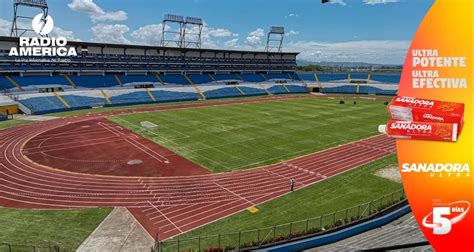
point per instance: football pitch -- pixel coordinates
(234, 137)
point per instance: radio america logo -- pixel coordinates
(42, 25)
(42, 46)
(444, 216)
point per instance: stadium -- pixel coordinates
(176, 147)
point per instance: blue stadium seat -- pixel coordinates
(277, 89)
(223, 77)
(43, 104)
(137, 78)
(306, 76)
(332, 76)
(133, 97)
(79, 101)
(386, 78)
(95, 81)
(253, 77)
(168, 95)
(296, 88)
(26, 81)
(345, 89)
(222, 92)
(200, 78)
(278, 76)
(6, 84)
(173, 79)
(252, 90)
(359, 76)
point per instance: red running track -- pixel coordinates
(172, 205)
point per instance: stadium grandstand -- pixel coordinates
(122, 74)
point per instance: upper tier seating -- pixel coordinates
(6, 84)
(32, 82)
(137, 78)
(253, 77)
(332, 76)
(306, 76)
(386, 78)
(278, 76)
(95, 81)
(359, 76)
(224, 77)
(200, 78)
(173, 79)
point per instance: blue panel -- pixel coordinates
(378, 91)
(223, 92)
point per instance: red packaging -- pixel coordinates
(421, 130)
(405, 108)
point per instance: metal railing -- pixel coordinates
(262, 237)
(8, 247)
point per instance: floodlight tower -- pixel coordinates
(275, 38)
(192, 27)
(17, 31)
(172, 36)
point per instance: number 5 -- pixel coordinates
(445, 223)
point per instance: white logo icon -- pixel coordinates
(441, 222)
(41, 25)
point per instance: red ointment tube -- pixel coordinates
(421, 130)
(413, 109)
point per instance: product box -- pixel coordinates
(421, 130)
(412, 109)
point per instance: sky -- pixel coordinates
(372, 31)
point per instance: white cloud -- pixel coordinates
(340, 2)
(255, 37)
(148, 34)
(231, 43)
(291, 33)
(374, 2)
(95, 12)
(110, 33)
(372, 51)
(291, 15)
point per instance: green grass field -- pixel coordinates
(233, 137)
(347, 190)
(65, 228)
(13, 123)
